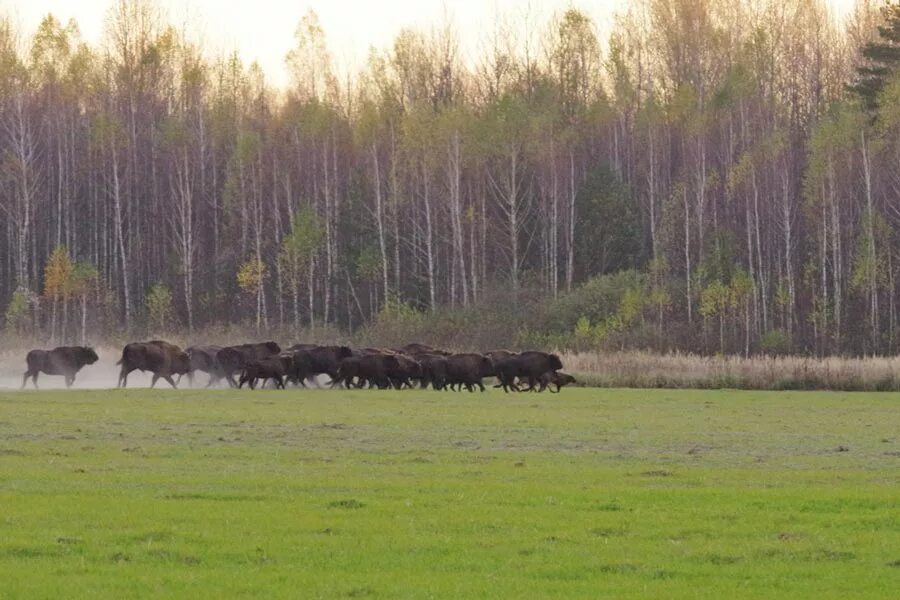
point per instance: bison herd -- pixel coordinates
(260, 363)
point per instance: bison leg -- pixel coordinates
(123, 377)
(481, 385)
(171, 381)
(280, 381)
(335, 379)
(154, 380)
(25, 379)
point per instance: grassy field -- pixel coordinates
(362, 494)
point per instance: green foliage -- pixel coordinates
(882, 59)
(596, 300)
(715, 299)
(775, 342)
(300, 246)
(84, 276)
(159, 306)
(368, 263)
(16, 316)
(608, 232)
(395, 311)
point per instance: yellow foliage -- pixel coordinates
(58, 274)
(251, 275)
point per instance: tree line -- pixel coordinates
(741, 156)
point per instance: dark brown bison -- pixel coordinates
(526, 367)
(349, 372)
(498, 355)
(372, 369)
(468, 370)
(434, 370)
(203, 358)
(65, 360)
(326, 360)
(403, 370)
(415, 349)
(301, 368)
(557, 378)
(275, 368)
(233, 359)
(160, 358)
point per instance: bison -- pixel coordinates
(557, 378)
(434, 370)
(64, 360)
(160, 358)
(372, 369)
(468, 370)
(233, 359)
(525, 366)
(416, 349)
(402, 370)
(273, 367)
(325, 360)
(203, 358)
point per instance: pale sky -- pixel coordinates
(262, 30)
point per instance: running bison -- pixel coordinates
(322, 360)
(468, 370)
(65, 360)
(526, 367)
(160, 358)
(274, 367)
(203, 358)
(557, 378)
(233, 359)
(434, 370)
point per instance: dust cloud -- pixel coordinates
(103, 374)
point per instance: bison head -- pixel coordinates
(181, 365)
(89, 356)
(486, 367)
(564, 379)
(555, 363)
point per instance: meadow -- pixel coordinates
(591, 493)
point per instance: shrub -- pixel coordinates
(775, 343)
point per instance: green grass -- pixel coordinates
(363, 494)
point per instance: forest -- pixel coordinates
(716, 176)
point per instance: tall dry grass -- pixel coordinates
(648, 370)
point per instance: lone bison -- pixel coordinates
(233, 359)
(65, 360)
(160, 358)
